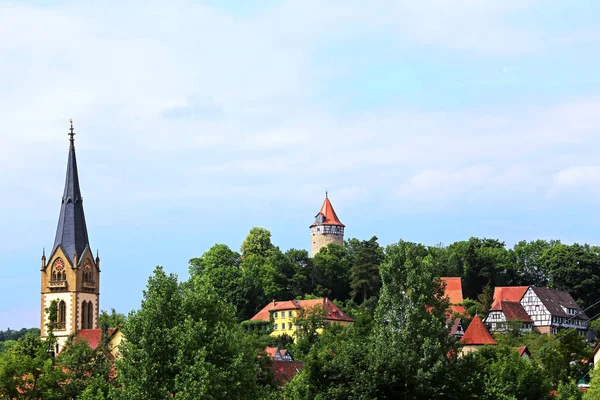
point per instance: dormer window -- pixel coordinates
(320, 219)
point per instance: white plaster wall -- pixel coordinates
(67, 297)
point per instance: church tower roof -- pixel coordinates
(327, 215)
(71, 232)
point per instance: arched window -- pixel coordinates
(84, 315)
(90, 315)
(58, 271)
(87, 273)
(62, 315)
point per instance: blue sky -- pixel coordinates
(430, 121)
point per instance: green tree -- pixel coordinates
(593, 392)
(479, 261)
(561, 356)
(331, 272)
(575, 269)
(258, 242)
(81, 366)
(569, 391)
(529, 262)
(221, 266)
(300, 280)
(366, 256)
(183, 343)
(499, 373)
(27, 372)
(111, 320)
(485, 299)
(411, 339)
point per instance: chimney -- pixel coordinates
(273, 302)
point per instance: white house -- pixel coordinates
(504, 312)
(552, 310)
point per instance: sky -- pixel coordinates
(430, 121)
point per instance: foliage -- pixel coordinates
(401, 354)
(593, 392)
(183, 343)
(366, 256)
(569, 391)
(498, 372)
(111, 320)
(26, 371)
(13, 335)
(561, 356)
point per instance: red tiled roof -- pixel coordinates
(453, 289)
(509, 293)
(458, 309)
(329, 215)
(285, 305)
(332, 312)
(512, 310)
(477, 333)
(94, 336)
(271, 351)
(523, 350)
(284, 371)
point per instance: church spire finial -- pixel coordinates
(326, 194)
(71, 133)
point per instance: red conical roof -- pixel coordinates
(477, 333)
(328, 213)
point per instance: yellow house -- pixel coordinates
(284, 313)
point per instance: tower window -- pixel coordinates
(90, 315)
(84, 315)
(62, 315)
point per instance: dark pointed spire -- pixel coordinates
(71, 232)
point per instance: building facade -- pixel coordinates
(505, 315)
(326, 229)
(553, 310)
(71, 274)
(283, 316)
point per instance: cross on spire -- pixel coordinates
(71, 133)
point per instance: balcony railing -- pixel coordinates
(58, 284)
(89, 284)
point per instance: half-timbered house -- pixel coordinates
(505, 315)
(552, 310)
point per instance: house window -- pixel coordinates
(290, 314)
(275, 327)
(275, 314)
(289, 325)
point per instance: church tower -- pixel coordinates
(71, 275)
(326, 229)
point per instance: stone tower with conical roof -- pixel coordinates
(326, 229)
(71, 274)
